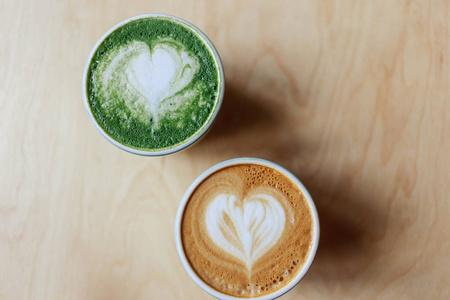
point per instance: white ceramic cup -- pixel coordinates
(193, 138)
(237, 161)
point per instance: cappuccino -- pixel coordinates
(247, 230)
(153, 83)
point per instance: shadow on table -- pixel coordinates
(350, 220)
(248, 125)
(240, 112)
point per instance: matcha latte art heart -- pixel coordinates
(153, 84)
(148, 80)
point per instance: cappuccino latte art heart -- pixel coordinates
(247, 230)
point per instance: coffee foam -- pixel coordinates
(247, 230)
(149, 81)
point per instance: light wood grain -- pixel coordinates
(351, 96)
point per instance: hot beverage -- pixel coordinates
(153, 83)
(247, 230)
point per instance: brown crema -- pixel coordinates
(228, 221)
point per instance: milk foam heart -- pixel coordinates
(246, 229)
(153, 85)
(149, 79)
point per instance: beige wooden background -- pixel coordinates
(351, 96)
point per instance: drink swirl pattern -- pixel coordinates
(153, 83)
(247, 230)
(149, 81)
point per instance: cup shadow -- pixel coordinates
(351, 225)
(240, 111)
(350, 220)
(244, 126)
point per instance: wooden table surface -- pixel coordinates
(351, 96)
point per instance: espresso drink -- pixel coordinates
(247, 230)
(153, 83)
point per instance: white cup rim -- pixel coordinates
(182, 145)
(219, 166)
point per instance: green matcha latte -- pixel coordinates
(153, 84)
